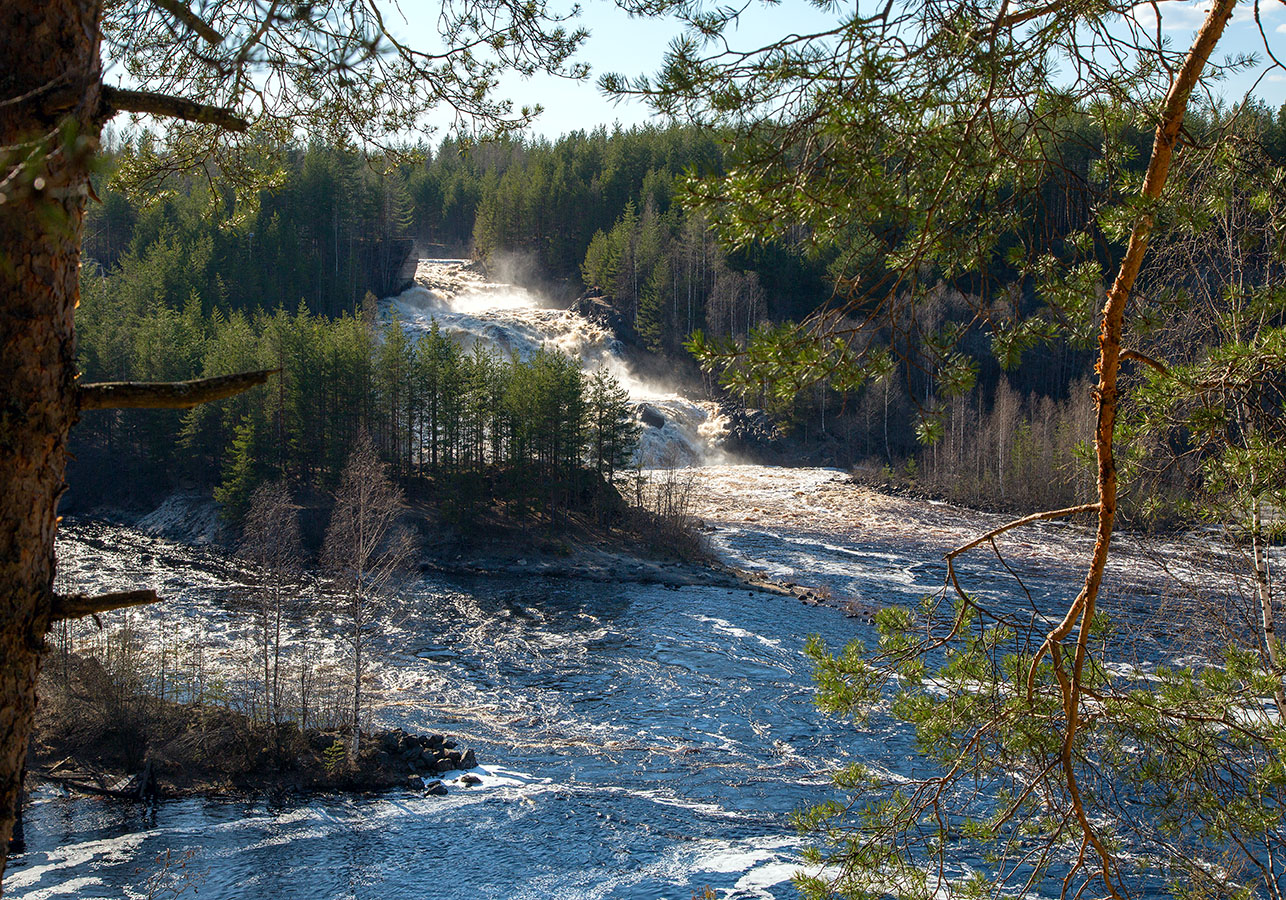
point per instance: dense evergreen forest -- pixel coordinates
(1020, 255)
(172, 292)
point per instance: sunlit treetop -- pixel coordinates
(229, 79)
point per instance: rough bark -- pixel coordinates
(45, 44)
(75, 606)
(168, 394)
(168, 106)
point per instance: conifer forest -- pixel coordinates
(852, 467)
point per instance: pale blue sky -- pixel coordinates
(618, 43)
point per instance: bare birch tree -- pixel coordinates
(272, 544)
(365, 550)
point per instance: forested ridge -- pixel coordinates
(172, 291)
(1018, 254)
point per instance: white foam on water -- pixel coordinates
(74, 887)
(764, 862)
(514, 322)
(500, 777)
(723, 626)
(107, 851)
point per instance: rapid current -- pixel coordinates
(637, 741)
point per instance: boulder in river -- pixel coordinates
(651, 417)
(435, 788)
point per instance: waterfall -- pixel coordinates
(514, 322)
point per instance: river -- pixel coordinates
(637, 741)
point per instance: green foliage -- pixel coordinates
(433, 410)
(335, 758)
(970, 173)
(1189, 745)
(613, 430)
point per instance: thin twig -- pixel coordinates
(1146, 360)
(191, 20)
(1025, 520)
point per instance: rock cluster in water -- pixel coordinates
(426, 755)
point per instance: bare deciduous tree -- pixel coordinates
(364, 552)
(272, 69)
(271, 544)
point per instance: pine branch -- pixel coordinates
(1146, 360)
(120, 100)
(191, 20)
(1025, 520)
(75, 606)
(167, 394)
(1013, 20)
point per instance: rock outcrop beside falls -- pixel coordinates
(594, 306)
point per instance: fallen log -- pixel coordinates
(140, 786)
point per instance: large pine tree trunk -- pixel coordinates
(50, 50)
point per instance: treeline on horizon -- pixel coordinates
(171, 292)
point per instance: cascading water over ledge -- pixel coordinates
(514, 322)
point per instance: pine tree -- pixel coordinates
(613, 430)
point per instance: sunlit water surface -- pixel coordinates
(638, 741)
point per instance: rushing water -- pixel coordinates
(638, 741)
(512, 321)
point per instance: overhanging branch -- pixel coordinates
(120, 100)
(1146, 360)
(75, 606)
(167, 394)
(191, 20)
(1025, 520)
(1023, 16)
